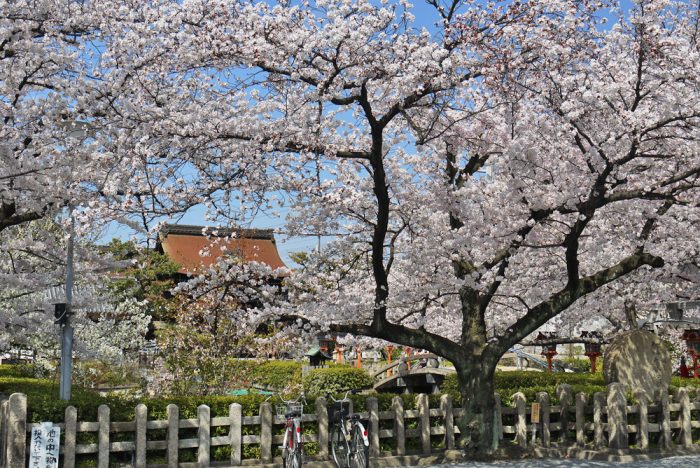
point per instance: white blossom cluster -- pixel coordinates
(479, 178)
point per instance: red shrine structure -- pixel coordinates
(548, 350)
(692, 341)
(592, 350)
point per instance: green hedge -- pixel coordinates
(278, 374)
(335, 379)
(17, 370)
(531, 383)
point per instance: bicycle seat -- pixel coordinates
(292, 414)
(355, 417)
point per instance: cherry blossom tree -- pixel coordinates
(481, 177)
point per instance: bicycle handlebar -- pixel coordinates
(354, 391)
(301, 398)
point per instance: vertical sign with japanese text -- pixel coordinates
(43, 452)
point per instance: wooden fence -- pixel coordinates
(603, 421)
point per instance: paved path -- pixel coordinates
(675, 462)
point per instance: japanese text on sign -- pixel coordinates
(44, 449)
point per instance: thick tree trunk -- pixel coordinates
(477, 422)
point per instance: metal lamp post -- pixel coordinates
(75, 129)
(66, 327)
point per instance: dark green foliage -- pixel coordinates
(147, 275)
(335, 380)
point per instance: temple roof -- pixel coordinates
(183, 243)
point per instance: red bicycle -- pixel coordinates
(293, 445)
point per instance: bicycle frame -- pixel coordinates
(351, 436)
(293, 427)
(292, 443)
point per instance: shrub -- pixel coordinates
(335, 380)
(529, 383)
(278, 375)
(101, 374)
(12, 370)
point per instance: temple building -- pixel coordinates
(184, 243)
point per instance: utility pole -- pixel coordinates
(67, 329)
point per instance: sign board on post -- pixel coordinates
(534, 419)
(43, 452)
(535, 413)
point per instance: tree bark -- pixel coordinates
(476, 425)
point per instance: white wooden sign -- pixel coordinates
(43, 452)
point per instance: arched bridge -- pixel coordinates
(420, 373)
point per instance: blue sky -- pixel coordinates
(425, 18)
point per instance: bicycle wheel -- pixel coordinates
(360, 451)
(339, 447)
(292, 458)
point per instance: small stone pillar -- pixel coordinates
(103, 436)
(235, 433)
(399, 428)
(16, 431)
(322, 418)
(664, 420)
(642, 419)
(373, 408)
(686, 436)
(448, 418)
(266, 432)
(141, 414)
(424, 422)
(617, 417)
(565, 400)
(203, 436)
(543, 400)
(71, 429)
(173, 434)
(598, 433)
(519, 402)
(581, 400)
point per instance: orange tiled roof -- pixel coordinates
(182, 243)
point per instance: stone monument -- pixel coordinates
(638, 359)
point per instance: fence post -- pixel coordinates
(446, 407)
(71, 421)
(665, 420)
(235, 432)
(399, 429)
(203, 436)
(373, 407)
(424, 422)
(521, 420)
(103, 436)
(141, 416)
(4, 417)
(17, 431)
(266, 432)
(598, 430)
(543, 400)
(322, 418)
(617, 417)
(173, 435)
(581, 400)
(686, 427)
(642, 418)
(565, 399)
(497, 421)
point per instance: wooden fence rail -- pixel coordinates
(605, 420)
